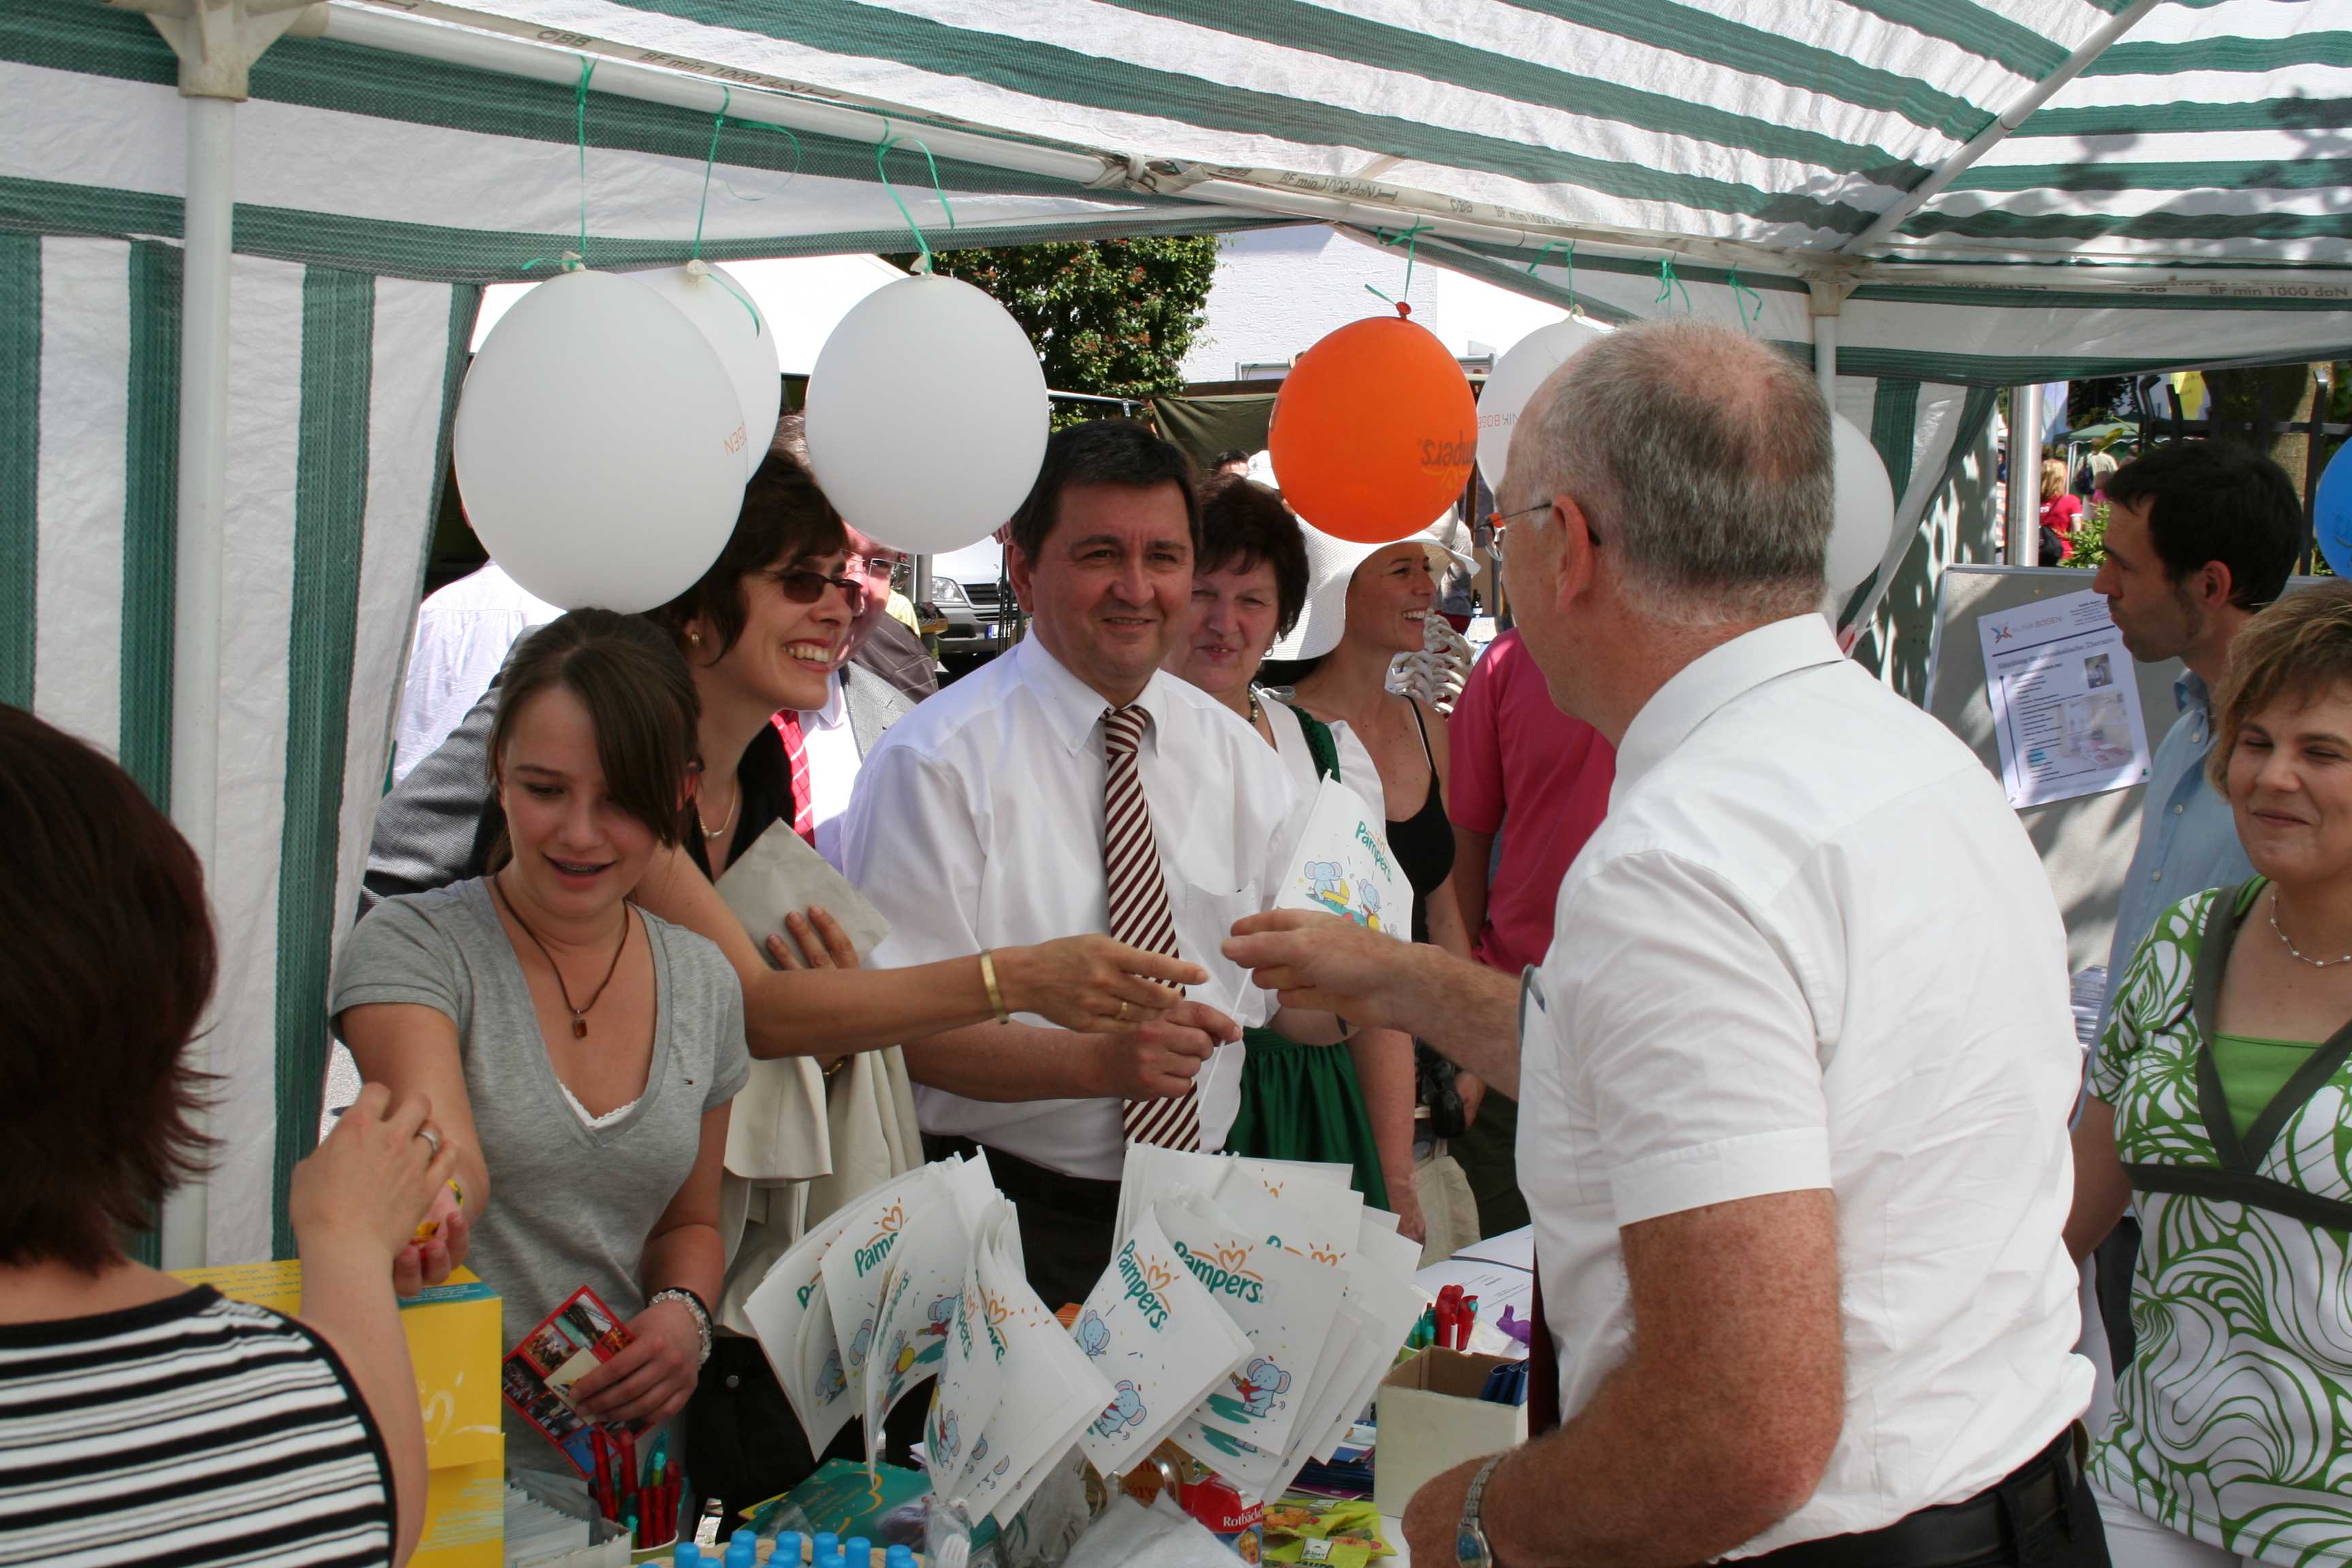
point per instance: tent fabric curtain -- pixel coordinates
(2209, 131)
(341, 385)
(1205, 427)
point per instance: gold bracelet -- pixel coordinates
(987, 978)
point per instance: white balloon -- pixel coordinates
(599, 444)
(721, 309)
(927, 415)
(1524, 366)
(1865, 508)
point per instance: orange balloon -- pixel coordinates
(1374, 431)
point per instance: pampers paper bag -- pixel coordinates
(1285, 1304)
(1343, 866)
(1160, 1340)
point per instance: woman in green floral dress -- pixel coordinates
(2222, 1109)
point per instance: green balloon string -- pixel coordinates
(710, 159)
(1409, 237)
(782, 131)
(881, 151)
(571, 260)
(1739, 289)
(1550, 246)
(580, 111)
(1668, 283)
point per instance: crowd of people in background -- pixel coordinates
(1728, 971)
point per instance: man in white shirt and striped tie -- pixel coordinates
(1072, 787)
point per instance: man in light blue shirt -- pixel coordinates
(2198, 538)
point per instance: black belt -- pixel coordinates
(1983, 1526)
(1032, 1185)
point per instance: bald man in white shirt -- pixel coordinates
(1795, 1073)
(979, 822)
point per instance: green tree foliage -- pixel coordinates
(1111, 317)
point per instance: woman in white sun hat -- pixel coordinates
(1366, 604)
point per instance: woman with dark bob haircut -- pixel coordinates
(1298, 1102)
(130, 1406)
(2221, 1107)
(583, 1051)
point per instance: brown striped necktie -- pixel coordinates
(1137, 893)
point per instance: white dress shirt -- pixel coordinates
(834, 761)
(1812, 947)
(977, 822)
(463, 633)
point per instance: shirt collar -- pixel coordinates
(2189, 691)
(1073, 708)
(1715, 677)
(835, 711)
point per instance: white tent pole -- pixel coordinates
(2024, 474)
(217, 42)
(1992, 136)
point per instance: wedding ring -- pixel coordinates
(432, 1139)
(1123, 1010)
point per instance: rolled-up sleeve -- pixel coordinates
(1697, 1046)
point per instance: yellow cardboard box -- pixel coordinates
(453, 1344)
(464, 1515)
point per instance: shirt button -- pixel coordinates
(2178, 808)
(2155, 875)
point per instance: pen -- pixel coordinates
(1466, 1322)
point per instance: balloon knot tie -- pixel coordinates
(1404, 309)
(697, 268)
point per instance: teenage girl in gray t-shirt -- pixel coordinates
(578, 1053)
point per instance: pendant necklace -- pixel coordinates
(2281, 934)
(579, 1015)
(712, 834)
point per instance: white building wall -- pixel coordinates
(1279, 291)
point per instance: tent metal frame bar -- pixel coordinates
(1993, 135)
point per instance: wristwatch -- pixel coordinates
(1470, 1548)
(693, 1304)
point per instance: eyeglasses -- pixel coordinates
(875, 567)
(803, 586)
(1496, 519)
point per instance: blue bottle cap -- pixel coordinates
(858, 1553)
(898, 1557)
(687, 1555)
(744, 1538)
(823, 1543)
(787, 1549)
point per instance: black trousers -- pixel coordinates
(1066, 1221)
(2041, 1515)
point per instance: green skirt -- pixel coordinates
(1303, 1102)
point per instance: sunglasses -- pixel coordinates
(803, 586)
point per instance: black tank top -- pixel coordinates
(1424, 842)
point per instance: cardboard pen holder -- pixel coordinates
(1432, 1419)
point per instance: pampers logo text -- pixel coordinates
(869, 1256)
(1378, 850)
(1144, 1292)
(1221, 1279)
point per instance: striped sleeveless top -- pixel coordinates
(191, 1430)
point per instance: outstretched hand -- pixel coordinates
(1320, 962)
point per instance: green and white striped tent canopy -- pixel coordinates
(1994, 192)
